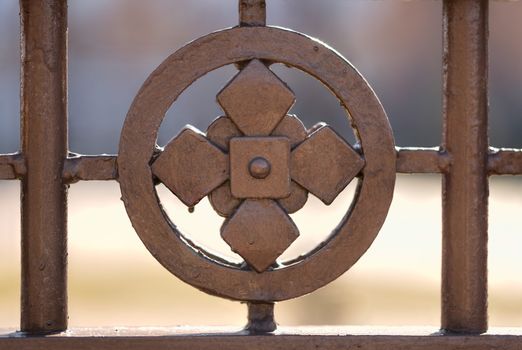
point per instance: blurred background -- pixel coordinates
(115, 44)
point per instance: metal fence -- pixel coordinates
(46, 169)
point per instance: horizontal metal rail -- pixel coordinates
(80, 168)
(422, 161)
(505, 161)
(286, 338)
(12, 166)
(410, 160)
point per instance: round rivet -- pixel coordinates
(259, 168)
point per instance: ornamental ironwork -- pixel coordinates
(257, 164)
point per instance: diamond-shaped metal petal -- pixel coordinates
(256, 99)
(191, 167)
(260, 231)
(325, 164)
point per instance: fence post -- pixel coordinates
(465, 186)
(44, 148)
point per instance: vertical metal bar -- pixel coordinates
(261, 318)
(465, 187)
(252, 13)
(44, 146)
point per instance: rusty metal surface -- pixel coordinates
(292, 128)
(410, 160)
(256, 99)
(252, 12)
(307, 338)
(260, 318)
(191, 166)
(296, 200)
(260, 167)
(422, 160)
(505, 161)
(259, 231)
(84, 168)
(44, 147)
(221, 131)
(12, 166)
(222, 200)
(465, 186)
(325, 164)
(192, 264)
(256, 102)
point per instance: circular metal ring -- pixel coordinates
(351, 238)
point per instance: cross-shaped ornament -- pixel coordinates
(257, 165)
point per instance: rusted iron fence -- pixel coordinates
(46, 168)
